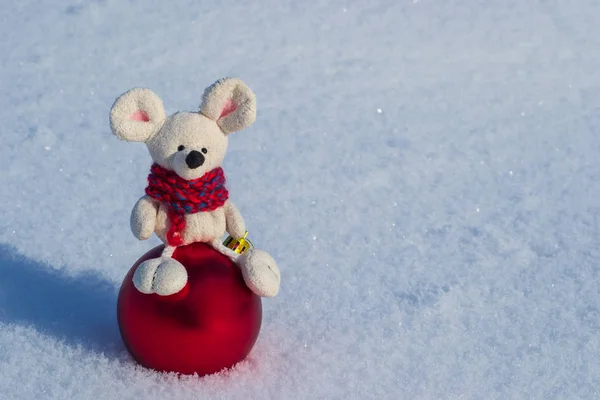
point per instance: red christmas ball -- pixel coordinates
(211, 324)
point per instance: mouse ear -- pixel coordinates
(230, 103)
(137, 115)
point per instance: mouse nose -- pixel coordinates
(194, 159)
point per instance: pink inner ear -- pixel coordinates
(140, 115)
(228, 108)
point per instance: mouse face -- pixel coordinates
(189, 144)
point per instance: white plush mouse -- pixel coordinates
(186, 200)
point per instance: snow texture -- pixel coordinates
(426, 174)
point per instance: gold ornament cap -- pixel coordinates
(239, 246)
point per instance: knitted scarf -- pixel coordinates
(181, 197)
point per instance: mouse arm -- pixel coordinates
(234, 223)
(143, 218)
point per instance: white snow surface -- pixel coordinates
(426, 173)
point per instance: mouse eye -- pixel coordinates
(181, 148)
(204, 150)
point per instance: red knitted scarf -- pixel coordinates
(181, 197)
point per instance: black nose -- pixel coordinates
(194, 159)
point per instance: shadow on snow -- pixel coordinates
(78, 310)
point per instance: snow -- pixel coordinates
(426, 174)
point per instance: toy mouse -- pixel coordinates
(186, 199)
